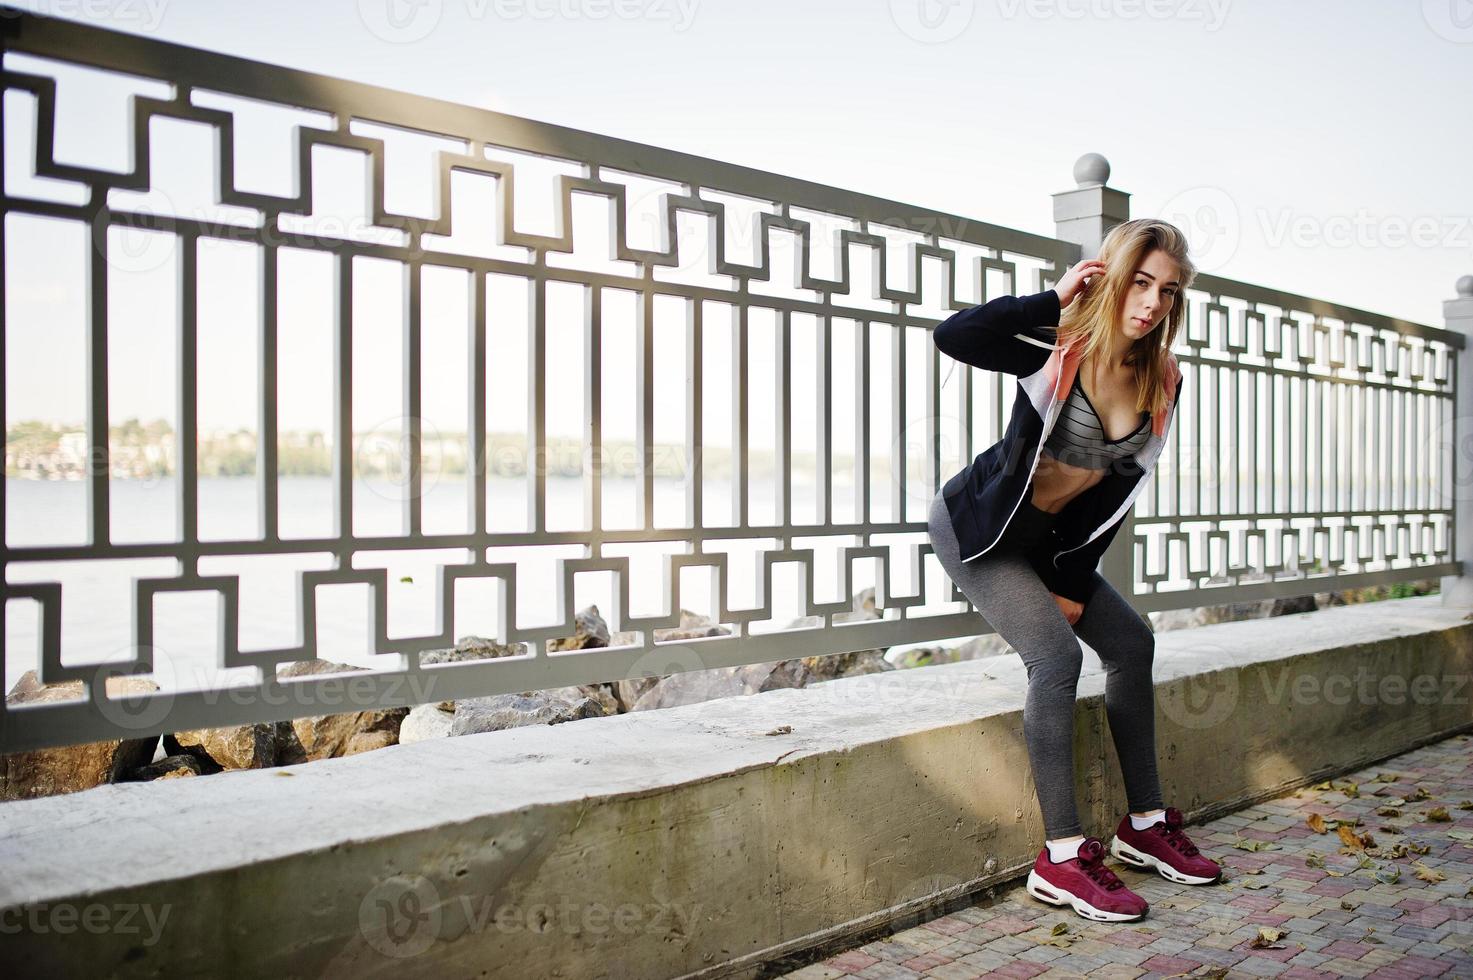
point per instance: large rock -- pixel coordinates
(592, 632)
(502, 711)
(929, 656)
(471, 648)
(332, 736)
(693, 626)
(855, 663)
(1290, 605)
(236, 747)
(693, 686)
(1234, 612)
(1185, 619)
(49, 772)
(169, 767)
(982, 647)
(427, 721)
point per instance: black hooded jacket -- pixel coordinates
(1017, 335)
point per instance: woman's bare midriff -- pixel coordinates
(1056, 483)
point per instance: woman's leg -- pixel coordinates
(1015, 602)
(1127, 646)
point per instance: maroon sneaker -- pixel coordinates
(1085, 883)
(1166, 848)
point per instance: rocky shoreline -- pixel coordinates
(205, 752)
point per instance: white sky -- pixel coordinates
(1339, 122)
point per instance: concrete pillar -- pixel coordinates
(1084, 216)
(1457, 590)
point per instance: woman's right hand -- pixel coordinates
(1071, 609)
(1073, 282)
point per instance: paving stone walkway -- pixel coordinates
(1386, 890)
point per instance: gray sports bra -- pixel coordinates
(1078, 438)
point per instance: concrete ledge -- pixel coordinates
(700, 840)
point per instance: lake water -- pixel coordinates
(96, 595)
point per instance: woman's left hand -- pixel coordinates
(1072, 610)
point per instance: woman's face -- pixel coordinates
(1152, 290)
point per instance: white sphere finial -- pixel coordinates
(1091, 170)
(1465, 287)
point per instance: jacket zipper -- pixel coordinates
(1128, 500)
(1053, 404)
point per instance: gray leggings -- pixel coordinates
(1006, 589)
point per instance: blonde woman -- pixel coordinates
(1021, 529)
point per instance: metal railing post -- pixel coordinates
(1457, 590)
(1084, 216)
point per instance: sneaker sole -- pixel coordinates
(1039, 888)
(1145, 862)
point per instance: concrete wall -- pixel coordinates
(694, 841)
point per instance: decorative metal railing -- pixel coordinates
(794, 315)
(1313, 450)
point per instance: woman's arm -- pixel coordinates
(1003, 334)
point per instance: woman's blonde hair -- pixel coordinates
(1088, 321)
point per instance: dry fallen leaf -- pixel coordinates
(1439, 814)
(1254, 845)
(1316, 823)
(1268, 938)
(1058, 930)
(1348, 838)
(1428, 874)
